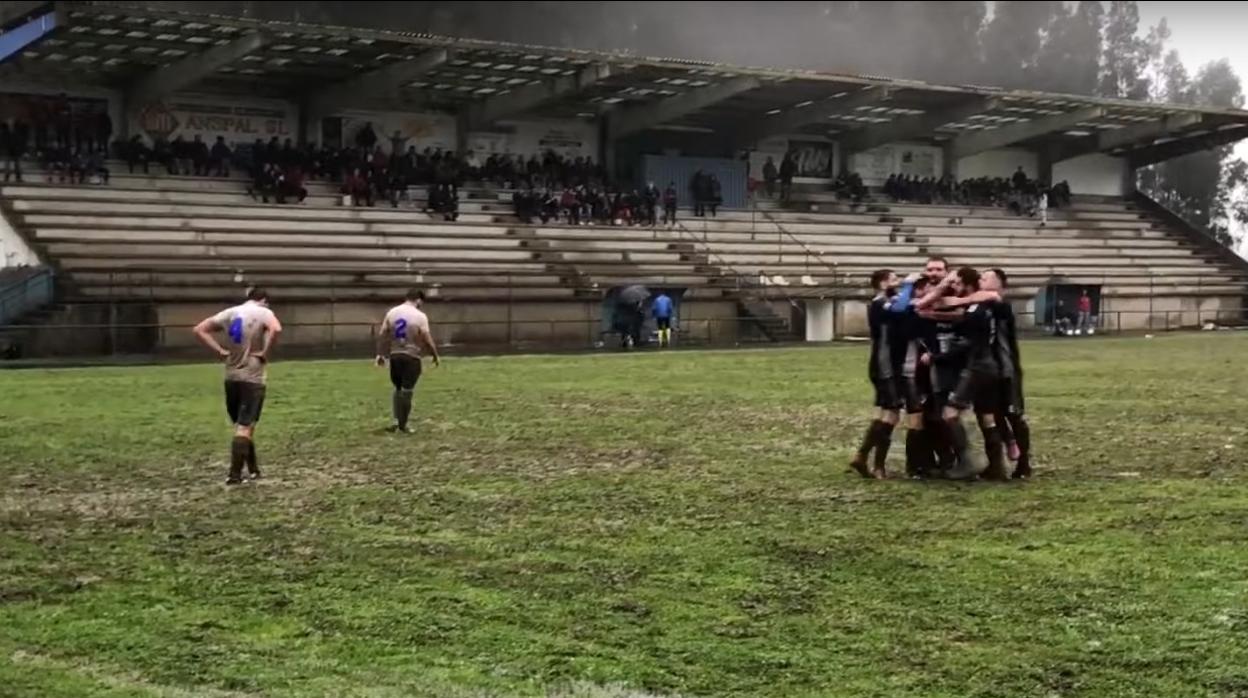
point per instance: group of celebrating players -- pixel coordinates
(942, 345)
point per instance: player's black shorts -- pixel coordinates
(918, 391)
(889, 393)
(404, 371)
(663, 323)
(243, 402)
(980, 390)
(1012, 395)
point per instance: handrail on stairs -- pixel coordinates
(25, 293)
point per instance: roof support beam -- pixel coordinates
(913, 126)
(528, 97)
(791, 120)
(634, 119)
(1117, 140)
(1160, 152)
(1146, 131)
(190, 70)
(988, 139)
(382, 83)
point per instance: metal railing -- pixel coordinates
(29, 291)
(152, 342)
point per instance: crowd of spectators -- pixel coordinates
(590, 205)
(1019, 193)
(71, 142)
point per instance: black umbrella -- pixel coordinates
(634, 295)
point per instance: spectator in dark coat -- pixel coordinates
(13, 140)
(788, 170)
(669, 204)
(219, 158)
(199, 156)
(770, 174)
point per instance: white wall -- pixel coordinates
(918, 160)
(1103, 175)
(423, 130)
(14, 252)
(239, 120)
(998, 163)
(568, 138)
(776, 147)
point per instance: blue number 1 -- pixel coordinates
(400, 329)
(236, 330)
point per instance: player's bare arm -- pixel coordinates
(270, 338)
(936, 293)
(972, 299)
(204, 332)
(384, 332)
(426, 338)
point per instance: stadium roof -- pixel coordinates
(149, 53)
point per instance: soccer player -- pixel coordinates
(940, 362)
(888, 351)
(252, 329)
(661, 308)
(980, 383)
(919, 335)
(1012, 418)
(403, 333)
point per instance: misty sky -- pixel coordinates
(1203, 32)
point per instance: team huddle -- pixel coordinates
(942, 345)
(252, 330)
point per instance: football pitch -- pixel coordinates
(649, 524)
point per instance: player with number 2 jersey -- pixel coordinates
(403, 333)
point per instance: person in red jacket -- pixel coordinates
(1085, 312)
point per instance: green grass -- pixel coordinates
(649, 524)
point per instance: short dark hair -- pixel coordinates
(938, 258)
(969, 277)
(415, 294)
(879, 276)
(1005, 280)
(255, 293)
(920, 284)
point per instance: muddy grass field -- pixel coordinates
(623, 525)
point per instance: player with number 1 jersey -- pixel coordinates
(252, 329)
(403, 333)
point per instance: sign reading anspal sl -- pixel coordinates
(238, 122)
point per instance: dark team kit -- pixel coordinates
(943, 346)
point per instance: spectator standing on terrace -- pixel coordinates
(1042, 208)
(103, 125)
(398, 142)
(13, 138)
(136, 152)
(698, 187)
(769, 177)
(219, 158)
(715, 194)
(181, 152)
(366, 137)
(1020, 179)
(1085, 312)
(670, 202)
(199, 156)
(650, 204)
(95, 166)
(788, 169)
(62, 120)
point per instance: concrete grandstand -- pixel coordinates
(149, 252)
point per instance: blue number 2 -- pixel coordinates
(236, 330)
(400, 329)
